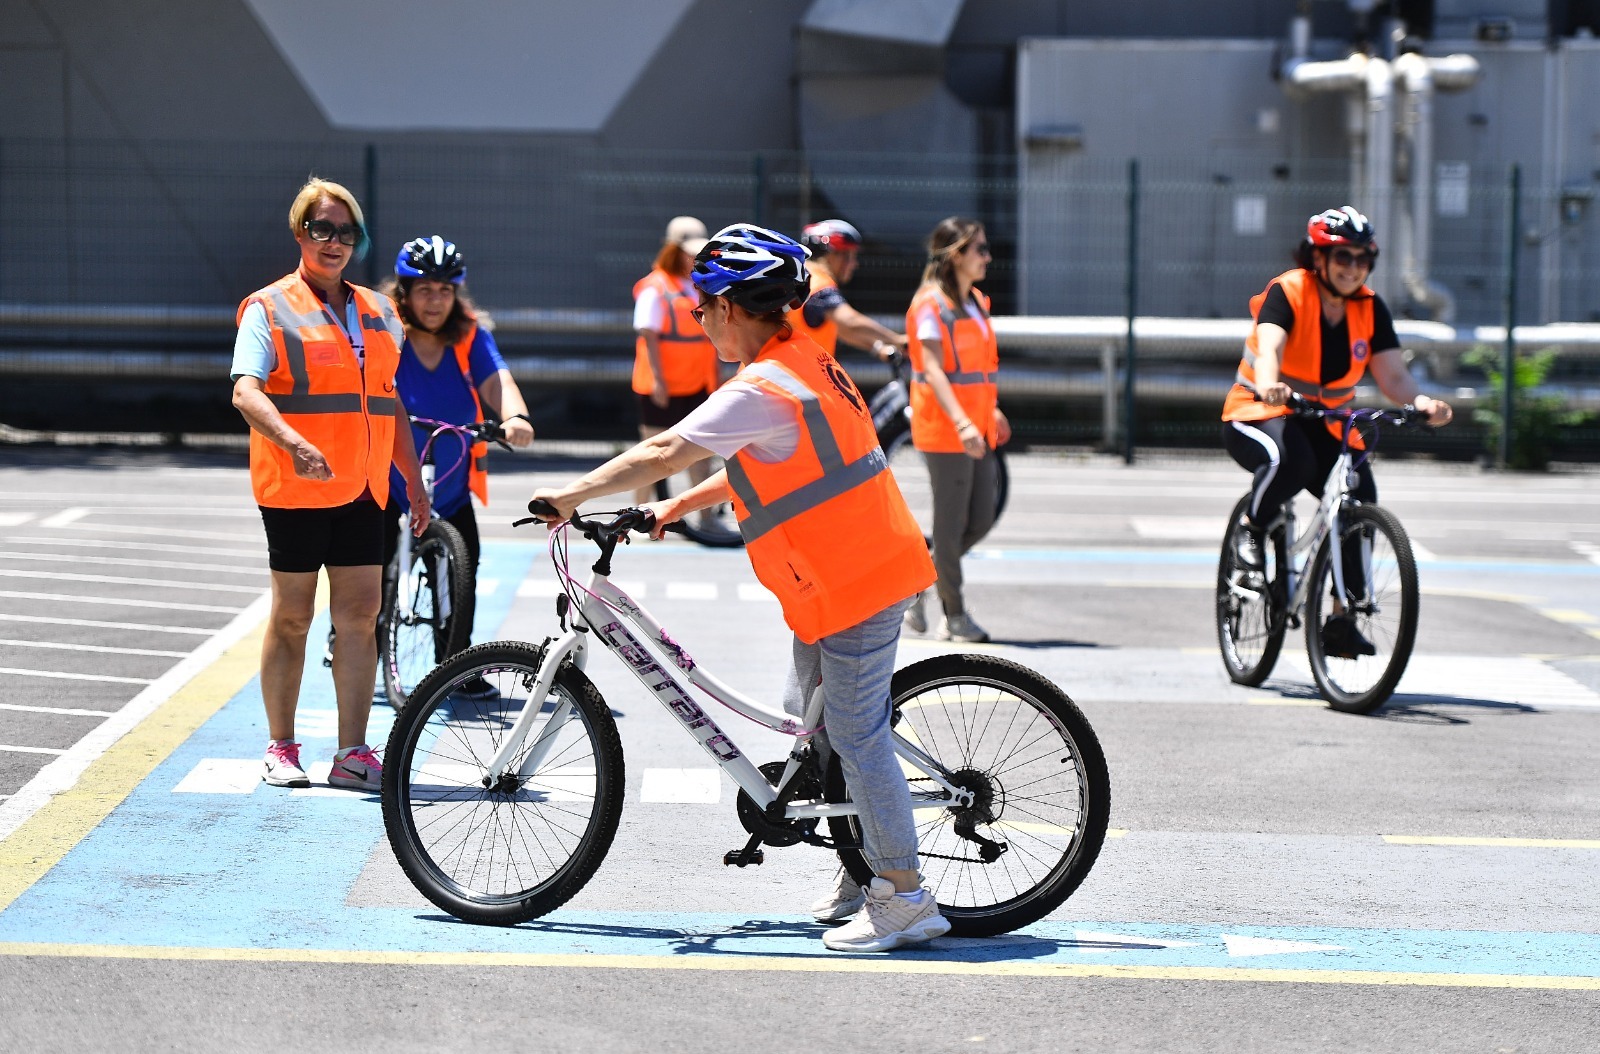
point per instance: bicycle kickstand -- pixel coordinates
(750, 854)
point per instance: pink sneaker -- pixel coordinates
(360, 769)
(283, 765)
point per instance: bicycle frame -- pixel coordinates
(403, 553)
(608, 612)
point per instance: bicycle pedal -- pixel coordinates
(743, 857)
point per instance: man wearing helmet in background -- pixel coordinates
(450, 369)
(1318, 329)
(839, 550)
(825, 317)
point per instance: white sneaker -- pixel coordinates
(888, 921)
(916, 617)
(360, 769)
(961, 627)
(282, 765)
(844, 900)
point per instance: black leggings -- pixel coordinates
(1290, 454)
(463, 520)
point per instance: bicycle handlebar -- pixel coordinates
(1407, 416)
(600, 532)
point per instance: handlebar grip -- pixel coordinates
(543, 509)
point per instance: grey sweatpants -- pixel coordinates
(963, 513)
(855, 666)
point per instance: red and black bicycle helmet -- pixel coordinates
(1344, 226)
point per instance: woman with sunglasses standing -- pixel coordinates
(313, 373)
(955, 415)
(1318, 329)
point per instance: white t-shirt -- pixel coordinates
(739, 416)
(650, 310)
(929, 328)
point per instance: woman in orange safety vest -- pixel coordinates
(313, 374)
(955, 417)
(826, 530)
(1317, 329)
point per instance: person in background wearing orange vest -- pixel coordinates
(674, 365)
(843, 563)
(955, 414)
(313, 374)
(1318, 329)
(450, 369)
(825, 317)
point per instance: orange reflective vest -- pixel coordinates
(1301, 364)
(688, 361)
(342, 407)
(827, 334)
(478, 456)
(826, 529)
(971, 358)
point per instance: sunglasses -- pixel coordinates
(981, 248)
(324, 231)
(1352, 258)
(698, 312)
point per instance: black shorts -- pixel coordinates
(677, 408)
(302, 540)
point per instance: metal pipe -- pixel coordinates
(1420, 77)
(1380, 155)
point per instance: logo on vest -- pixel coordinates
(842, 382)
(1358, 351)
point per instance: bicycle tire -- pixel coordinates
(1043, 790)
(408, 649)
(911, 475)
(1361, 685)
(506, 854)
(1249, 606)
(716, 527)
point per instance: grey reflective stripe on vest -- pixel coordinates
(1314, 391)
(289, 322)
(381, 405)
(974, 377)
(947, 316)
(837, 477)
(341, 403)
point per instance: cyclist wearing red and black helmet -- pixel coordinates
(825, 317)
(1318, 329)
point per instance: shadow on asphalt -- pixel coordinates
(1412, 707)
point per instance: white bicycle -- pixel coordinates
(500, 810)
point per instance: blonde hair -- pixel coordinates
(316, 189)
(947, 241)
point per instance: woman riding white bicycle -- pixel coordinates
(826, 530)
(1318, 329)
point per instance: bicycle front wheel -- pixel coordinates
(1041, 792)
(507, 849)
(716, 527)
(1358, 661)
(437, 589)
(1250, 618)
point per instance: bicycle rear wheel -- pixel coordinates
(441, 584)
(715, 527)
(1382, 607)
(521, 847)
(1042, 795)
(910, 470)
(1249, 606)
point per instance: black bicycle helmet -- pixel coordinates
(1343, 226)
(758, 269)
(433, 258)
(830, 236)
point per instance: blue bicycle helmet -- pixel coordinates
(431, 257)
(758, 269)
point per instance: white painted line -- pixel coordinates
(6, 642)
(681, 786)
(70, 711)
(1502, 678)
(141, 547)
(1587, 550)
(15, 671)
(1240, 947)
(69, 598)
(486, 586)
(538, 587)
(63, 773)
(14, 519)
(161, 532)
(1422, 553)
(1180, 528)
(97, 624)
(222, 776)
(1123, 942)
(166, 565)
(117, 580)
(691, 591)
(757, 592)
(31, 750)
(65, 517)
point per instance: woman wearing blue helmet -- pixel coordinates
(826, 531)
(450, 370)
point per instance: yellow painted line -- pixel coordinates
(780, 964)
(1504, 843)
(1568, 615)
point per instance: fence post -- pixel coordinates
(1508, 374)
(369, 208)
(1131, 356)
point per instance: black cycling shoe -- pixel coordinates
(1247, 548)
(1341, 639)
(476, 688)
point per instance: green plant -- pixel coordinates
(1536, 420)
